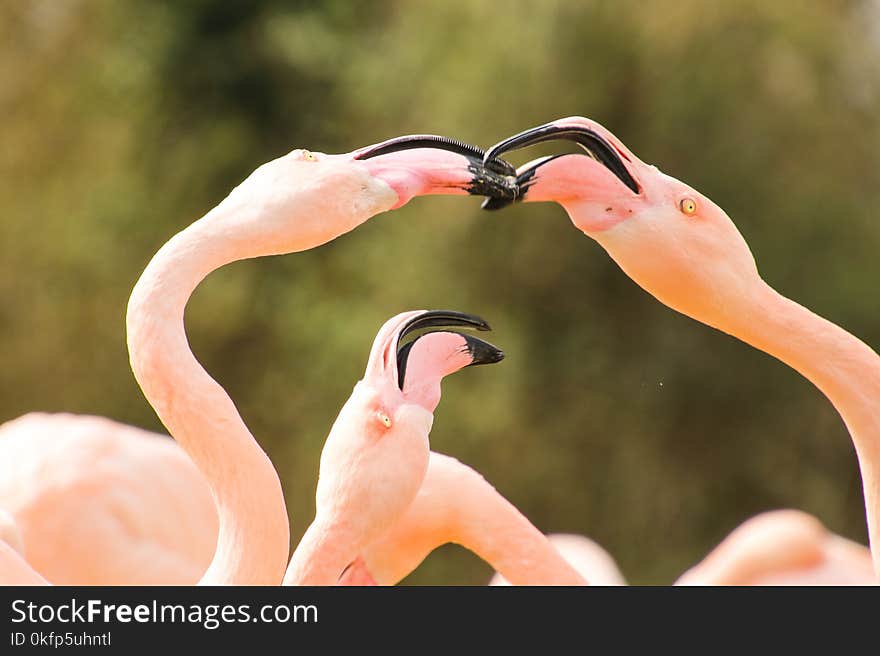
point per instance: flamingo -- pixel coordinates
(684, 250)
(294, 203)
(456, 504)
(783, 547)
(151, 519)
(356, 457)
(374, 461)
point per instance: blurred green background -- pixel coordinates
(612, 416)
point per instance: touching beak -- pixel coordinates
(418, 165)
(594, 144)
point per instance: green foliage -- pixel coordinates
(612, 415)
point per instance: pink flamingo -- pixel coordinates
(380, 424)
(683, 249)
(456, 504)
(151, 516)
(375, 459)
(783, 547)
(291, 204)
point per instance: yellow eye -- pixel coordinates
(385, 419)
(688, 205)
(307, 155)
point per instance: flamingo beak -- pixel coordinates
(480, 351)
(593, 143)
(423, 164)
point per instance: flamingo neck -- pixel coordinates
(843, 367)
(492, 528)
(253, 539)
(456, 504)
(322, 555)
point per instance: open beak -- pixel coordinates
(593, 144)
(416, 165)
(388, 356)
(480, 351)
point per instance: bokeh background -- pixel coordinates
(613, 416)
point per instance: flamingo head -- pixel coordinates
(377, 453)
(305, 198)
(672, 240)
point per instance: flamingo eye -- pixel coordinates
(307, 155)
(688, 206)
(384, 419)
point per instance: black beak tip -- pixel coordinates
(439, 319)
(502, 187)
(498, 165)
(494, 177)
(492, 204)
(482, 352)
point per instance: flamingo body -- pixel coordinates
(783, 547)
(96, 502)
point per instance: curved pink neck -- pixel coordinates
(458, 505)
(497, 532)
(843, 367)
(324, 552)
(253, 540)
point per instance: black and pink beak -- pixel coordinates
(430, 164)
(587, 136)
(390, 353)
(478, 351)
